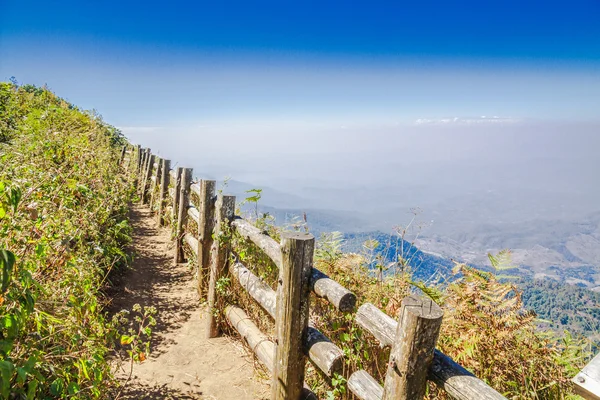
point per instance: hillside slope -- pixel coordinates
(63, 227)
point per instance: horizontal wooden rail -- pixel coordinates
(364, 386)
(195, 188)
(447, 374)
(261, 239)
(323, 286)
(321, 351)
(193, 213)
(378, 323)
(192, 242)
(258, 342)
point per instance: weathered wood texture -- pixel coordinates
(446, 373)
(162, 194)
(177, 195)
(138, 157)
(192, 242)
(225, 210)
(146, 183)
(193, 213)
(258, 342)
(264, 295)
(587, 382)
(328, 357)
(143, 178)
(412, 352)
(184, 201)
(195, 188)
(323, 353)
(291, 322)
(206, 225)
(323, 286)
(142, 168)
(378, 323)
(260, 239)
(155, 183)
(458, 382)
(122, 158)
(364, 386)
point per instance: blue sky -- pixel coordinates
(421, 100)
(149, 64)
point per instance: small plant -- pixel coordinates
(329, 248)
(338, 383)
(137, 340)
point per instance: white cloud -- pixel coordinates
(467, 121)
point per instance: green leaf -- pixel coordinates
(7, 262)
(2, 212)
(125, 340)
(15, 198)
(73, 388)
(39, 250)
(32, 389)
(6, 372)
(56, 388)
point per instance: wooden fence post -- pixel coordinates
(140, 157)
(177, 187)
(140, 164)
(154, 183)
(412, 351)
(291, 321)
(205, 230)
(225, 210)
(137, 150)
(123, 154)
(146, 178)
(164, 188)
(144, 167)
(182, 212)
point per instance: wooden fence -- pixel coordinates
(413, 357)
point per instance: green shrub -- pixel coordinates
(63, 227)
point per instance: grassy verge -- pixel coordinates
(63, 227)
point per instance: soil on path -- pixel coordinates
(183, 364)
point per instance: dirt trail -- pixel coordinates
(183, 364)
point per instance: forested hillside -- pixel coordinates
(558, 305)
(63, 228)
(563, 306)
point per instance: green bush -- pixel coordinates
(63, 227)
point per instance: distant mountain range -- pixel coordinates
(563, 250)
(558, 263)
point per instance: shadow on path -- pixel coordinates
(183, 364)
